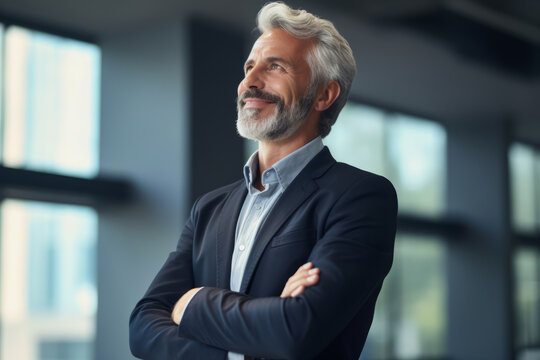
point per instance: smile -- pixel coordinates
(255, 102)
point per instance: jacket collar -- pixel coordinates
(296, 193)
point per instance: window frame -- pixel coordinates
(18, 183)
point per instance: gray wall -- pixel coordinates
(480, 308)
(144, 136)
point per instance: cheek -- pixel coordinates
(288, 94)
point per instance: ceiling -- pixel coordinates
(102, 16)
(99, 17)
(494, 28)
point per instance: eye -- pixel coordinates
(247, 69)
(275, 66)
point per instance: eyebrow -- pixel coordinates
(270, 59)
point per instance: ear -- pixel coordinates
(326, 95)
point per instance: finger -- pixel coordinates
(300, 275)
(302, 271)
(312, 280)
(306, 281)
(297, 291)
(309, 280)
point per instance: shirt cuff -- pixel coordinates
(185, 307)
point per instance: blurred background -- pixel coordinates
(116, 115)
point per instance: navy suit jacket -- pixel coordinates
(340, 218)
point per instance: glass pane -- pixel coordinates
(522, 179)
(48, 280)
(358, 138)
(51, 108)
(411, 152)
(410, 317)
(417, 164)
(527, 297)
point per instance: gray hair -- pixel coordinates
(330, 59)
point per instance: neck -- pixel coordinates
(270, 152)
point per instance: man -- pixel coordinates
(288, 262)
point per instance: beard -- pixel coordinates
(281, 124)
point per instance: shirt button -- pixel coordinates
(241, 247)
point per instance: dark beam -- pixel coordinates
(21, 181)
(443, 227)
(528, 239)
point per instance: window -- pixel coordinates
(410, 316)
(527, 302)
(51, 103)
(524, 164)
(48, 282)
(411, 152)
(524, 167)
(48, 123)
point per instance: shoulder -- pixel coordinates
(343, 178)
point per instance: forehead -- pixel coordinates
(279, 43)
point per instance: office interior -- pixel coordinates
(115, 116)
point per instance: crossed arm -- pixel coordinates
(305, 276)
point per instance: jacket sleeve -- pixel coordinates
(354, 255)
(152, 333)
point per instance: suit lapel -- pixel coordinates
(295, 194)
(226, 233)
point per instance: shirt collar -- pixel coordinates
(286, 169)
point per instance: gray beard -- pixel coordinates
(283, 123)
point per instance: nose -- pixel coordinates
(253, 79)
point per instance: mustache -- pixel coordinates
(256, 93)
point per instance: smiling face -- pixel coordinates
(275, 96)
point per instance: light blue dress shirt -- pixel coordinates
(258, 204)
